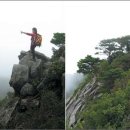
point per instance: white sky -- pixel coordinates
(21, 15)
(89, 22)
(84, 22)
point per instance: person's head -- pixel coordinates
(34, 30)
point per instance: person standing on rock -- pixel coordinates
(33, 40)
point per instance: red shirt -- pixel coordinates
(33, 36)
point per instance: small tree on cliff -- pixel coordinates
(57, 67)
(58, 39)
(107, 47)
(88, 65)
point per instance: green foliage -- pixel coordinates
(49, 115)
(58, 39)
(124, 43)
(116, 74)
(56, 70)
(111, 110)
(122, 62)
(8, 98)
(110, 46)
(57, 53)
(103, 67)
(52, 112)
(107, 112)
(114, 56)
(35, 81)
(110, 76)
(53, 77)
(88, 65)
(107, 47)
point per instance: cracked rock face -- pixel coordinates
(27, 90)
(24, 80)
(26, 71)
(7, 112)
(76, 103)
(32, 107)
(34, 66)
(20, 76)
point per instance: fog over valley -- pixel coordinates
(72, 82)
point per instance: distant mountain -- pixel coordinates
(72, 82)
(4, 87)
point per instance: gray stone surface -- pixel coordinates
(27, 90)
(7, 112)
(38, 55)
(20, 75)
(34, 66)
(30, 103)
(76, 102)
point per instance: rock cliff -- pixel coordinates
(79, 99)
(38, 100)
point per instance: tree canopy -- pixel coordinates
(110, 46)
(58, 39)
(88, 65)
(110, 110)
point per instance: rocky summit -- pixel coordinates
(38, 94)
(24, 73)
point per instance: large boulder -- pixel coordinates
(38, 55)
(20, 76)
(27, 71)
(22, 54)
(34, 66)
(37, 96)
(27, 90)
(26, 60)
(41, 56)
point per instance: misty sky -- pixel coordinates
(89, 22)
(84, 22)
(21, 15)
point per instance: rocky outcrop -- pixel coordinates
(33, 66)
(27, 90)
(76, 103)
(26, 71)
(7, 112)
(39, 93)
(25, 78)
(20, 76)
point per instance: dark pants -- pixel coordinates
(32, 48)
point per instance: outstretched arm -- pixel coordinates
(30, 34)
